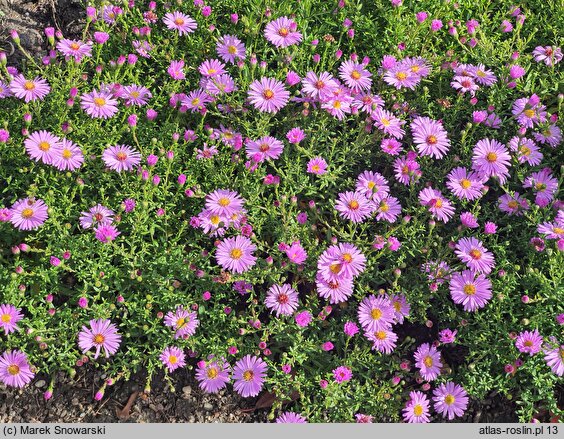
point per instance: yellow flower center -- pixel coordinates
(214, 220)
(337, 104)
(67, 154)
(335, 268)
(355, 75)
(528, 343)
(315, 168)
(172, 359)
(232, 50)
(248, 375)
(99, 102)
(179, 21)
(223, 202)
(525, 151)
(371, 185)
(469, 289)
(415, 68)
(353, 205)
(212, 372)
(401, 76)
(195, 101)
(236, 253)
(6, 318)
(418, 410)
(385, 122)
(491, 157)
(268, 94)
(319, 84)
(29, 85)
(347, 257)
(380, 335)
(540, 186)
(99, 339)
(529, 113)
(481, 73)
(376, 314)
(397, 306)
(431, 140)
(283, 32)
(438, 203)
(449, 399)
(384, 207)
(513, 204)
(264, 147)
(428, 361)
(475, 253)
(211, 71)
(75, 46)
(181, 322)
(558, 230)
(121, 156)
(44, 146)
(13, 369)
(135, 94)
(465, 183)
(27, 213)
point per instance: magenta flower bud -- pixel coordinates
(99, 395)
(49, 298)
(234, 18)
(156, 180)
(338, 54)
(132, 120)
(421, 16)
(15, 250)
(206, 11)
(152, 159)
(292, 78)
(425, 387)
(3, 58)
(436, 25)
(327, 346)
(323, 384)
(54, 261)
(516, 71)
(151, 114)
(525, 298)
(15, 36)
(181, 179)
(132, 59)
(144, 174)
(48, 394)
(83, 302)
(350, 33)
(91, 13)
(24, 247)
(511, 84)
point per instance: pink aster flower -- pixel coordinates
(447, 336)
(430, 137)
(97, 215)
(416, 410)
(295, 135)
(15, 370)
(248, 375)
(319, 86)
(439, 206)
(236, 254)
(282, 32)
(401, 307)
(5, 90)
(355, 76)
(303, 318)
(74, 49)
(136, 95)
(468, 220)
(42, 146)
(407, 170)
(472, 252)
(28, 213)
(428, 361)
(464, 84)
(176, 70)
(172, 358)
(211, 67)
(470, 290)
(401, 76)
(335, 291)
(281, 299)
(121, 158)
(529, 111)
(296, 253)
(554, 357)
(221, 84)
(9, 316)
(342, 374)
(224, 202)
(451, 400)
(513, 204)
(554, 230)
(230, 49)
(491, 159)
(386, 122)
(376, 313)
(354, 206)
(526, 149)
(182, 321)
(213, 376)
(383, 340)
(101, 334)
(373, 185)
(180, 22)
(69, 157)
(340, 261)
(291, 418)
(106, 233)
(267, 147)
(551, 134)
(99, 104)
(29, 89)
(529, 342)
(544, 186)
(317, 165)
(388, 209)
(482, 75)
(464, 184)
(550, 55)
(268, 95)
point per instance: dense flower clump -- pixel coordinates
(276, 201)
